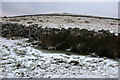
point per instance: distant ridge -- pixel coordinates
(67, 14)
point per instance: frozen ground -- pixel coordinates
(20, 59)
(66, 22)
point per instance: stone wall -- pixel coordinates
(101, 43)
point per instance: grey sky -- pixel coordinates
(108, 9)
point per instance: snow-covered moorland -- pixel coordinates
(64, 21)
(20, 59)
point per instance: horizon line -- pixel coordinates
(64, 14)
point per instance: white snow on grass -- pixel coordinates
(67, 21)
(20, 59)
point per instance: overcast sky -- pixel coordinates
(108, 9)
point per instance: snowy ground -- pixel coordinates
(66, 22)
(20, 59)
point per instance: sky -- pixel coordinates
(105, 9)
